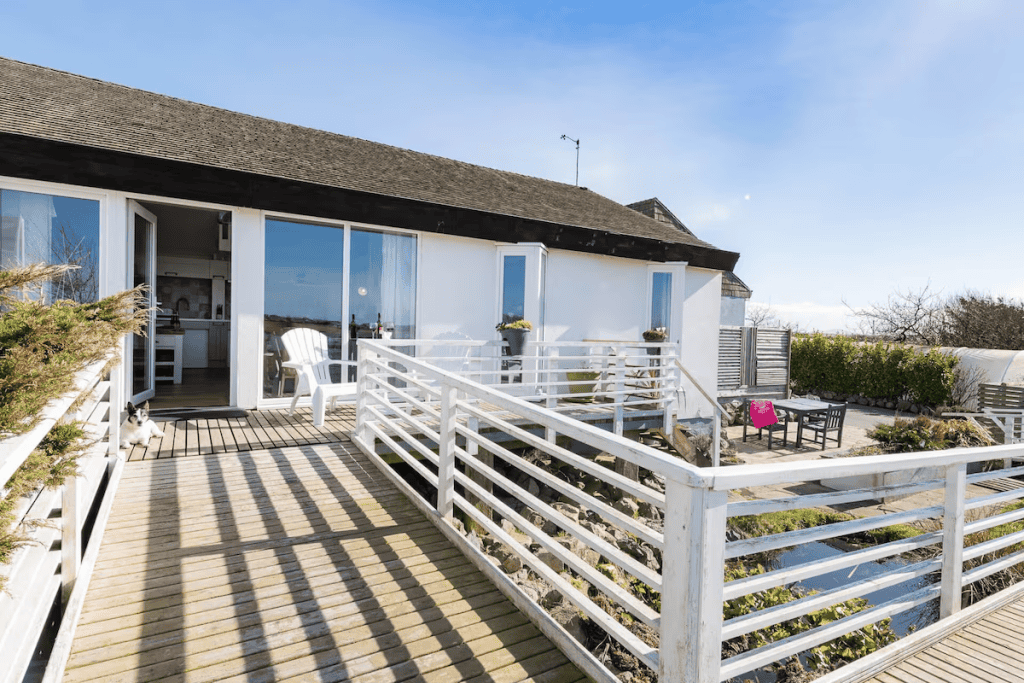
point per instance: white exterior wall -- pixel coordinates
(457, 288)
(246, 352)
(734, 311)
(701, 310)
(595, 297)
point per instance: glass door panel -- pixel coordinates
(142, 271)
(303, 282)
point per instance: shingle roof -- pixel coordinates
(55, 105)
(654, 208)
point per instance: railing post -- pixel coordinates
(692, 583)
(716, 444)
(362, 385)
(620, 388)
(115, 398)
(446, 452)
(953, 540)
(669, 390)
(70, 538)
(550, 402)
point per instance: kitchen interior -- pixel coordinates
(193, 294)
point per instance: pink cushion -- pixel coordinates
(762, 413)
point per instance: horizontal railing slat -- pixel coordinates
(786, 539)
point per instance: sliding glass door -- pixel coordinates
(346, 282)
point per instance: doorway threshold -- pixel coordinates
(197, 412)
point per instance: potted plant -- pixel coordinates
(654, 335)
(514, 332)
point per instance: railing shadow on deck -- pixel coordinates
(324, 577)
(433, 420)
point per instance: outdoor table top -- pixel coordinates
(802, 405)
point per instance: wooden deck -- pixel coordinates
(297, 563)
(262, 429)
(985, 651)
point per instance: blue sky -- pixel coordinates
(845, 149)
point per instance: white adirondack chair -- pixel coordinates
(307, 354)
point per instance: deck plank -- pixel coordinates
(985, 650)
(293, 563)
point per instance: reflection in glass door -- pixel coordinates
(311, 282)
(142, 271)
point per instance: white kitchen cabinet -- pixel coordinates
(219, 335)
(177, 266)
(196, 348)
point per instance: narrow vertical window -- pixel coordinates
(661, 300)
(513, 289)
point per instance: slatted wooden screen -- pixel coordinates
(730, 358)
(753, 358)
(1000, 396)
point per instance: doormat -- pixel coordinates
(197, 413)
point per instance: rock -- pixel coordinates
(579, 549)
(570, 511)
(915, 408)
(648, 511)
(533, 487)
(551, 599)
(889, 405)
(599, 530)
(863, 401)
(550, 560)
(627, 506)
(511, 564)
(903, 406)
(475, 541)
(569, 619)
(655, 481)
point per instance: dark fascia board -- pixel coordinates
(59, 162)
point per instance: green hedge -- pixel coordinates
(882, 370)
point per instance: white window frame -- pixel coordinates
(534, 308)
(347, 226)
(677, 269)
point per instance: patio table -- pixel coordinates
(803, 407)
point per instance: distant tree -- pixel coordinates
(981, 321)
(79, 283)
(762, 315)
(970, 319)
(906, 317)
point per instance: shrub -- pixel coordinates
(925, 434)
(880, 370)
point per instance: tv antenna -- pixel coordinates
(566, 137)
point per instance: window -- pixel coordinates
(43, 228)
(513, 289)
(306, 282)
(661, 300)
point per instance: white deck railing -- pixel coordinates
(52, 563)
(454, 432)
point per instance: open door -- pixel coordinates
(142, 271)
